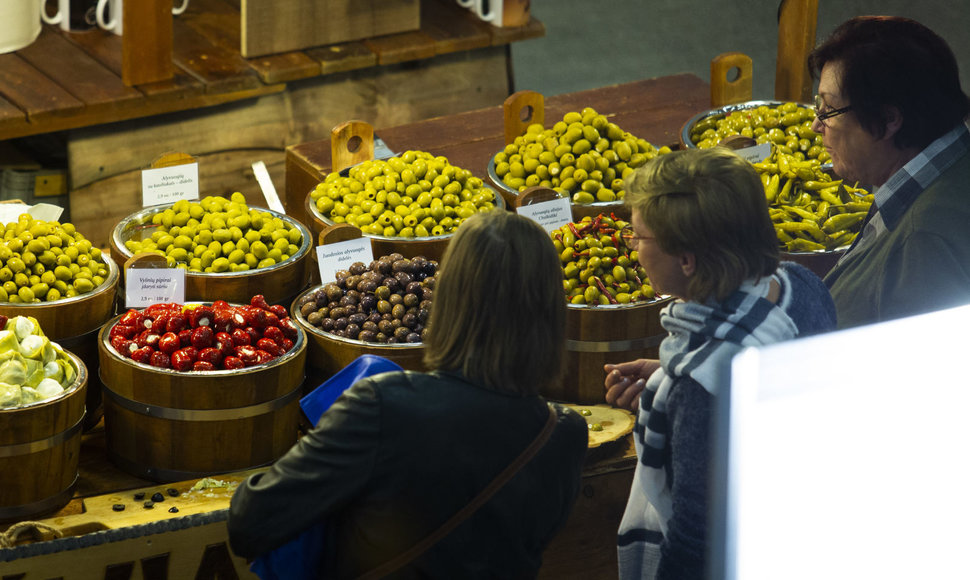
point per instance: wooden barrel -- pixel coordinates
(74, 323)
(597, 335)
(40, 445)
(166, 425)
(328, 353)
(278, 283)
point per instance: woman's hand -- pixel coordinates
(625, 381)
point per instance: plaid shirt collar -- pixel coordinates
(902, 189)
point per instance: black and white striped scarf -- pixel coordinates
(702, 341)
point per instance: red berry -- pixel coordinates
(169, 343)
(176, 323)
(225, 343)
(269, 346)
(279, 310)
(259, 301)
(160, 359)
(247, 354)
(220, 305)
(241, 337)
(201, 365)
(201, 316)
(202, 337)
(147, 338)
(142, 354)
(262, 356)
(289, 328)
(210, 355)
(181, 360)
(132, 318)
(185, 337)
(233, 362)
(160, 323)
(286, 344)
(273, 333)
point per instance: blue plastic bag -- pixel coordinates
(301, 558)
(320, 398)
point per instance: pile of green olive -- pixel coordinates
(216, 235)
(43, 261)
(787, 125)
(598, 269)
(387, 302)
(414, 195)
(583, 156)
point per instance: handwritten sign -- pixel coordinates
(167, 185)
(550, 215)
(340, 255)
(755, 154)
(147, 286)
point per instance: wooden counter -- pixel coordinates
(654, 109)
(155, 543)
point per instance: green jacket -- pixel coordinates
(399, 453)
(920, 265)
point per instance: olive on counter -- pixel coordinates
(387, 301)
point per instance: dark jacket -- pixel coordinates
(398, 454)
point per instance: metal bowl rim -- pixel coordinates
(82, 377)
(139, 218)
(297, 315)
(298, 345)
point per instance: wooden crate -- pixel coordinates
(274, 26)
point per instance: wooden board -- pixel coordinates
(32, 91)
(273, 26)
(84, 77)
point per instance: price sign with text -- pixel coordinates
(147, 286)
(167, 185)
(340, 255)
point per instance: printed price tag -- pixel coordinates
(167, 185)
(147, 286)
(340, 255)
(755, 154)
(549, 214)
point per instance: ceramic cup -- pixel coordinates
(110, 19)
(70, 14)
(21, 23)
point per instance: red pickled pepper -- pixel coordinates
(205, 337)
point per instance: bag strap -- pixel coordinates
(470, 508)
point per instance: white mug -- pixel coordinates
(63, 15)
(21, 23)
(115, 8)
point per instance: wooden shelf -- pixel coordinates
(68, 80)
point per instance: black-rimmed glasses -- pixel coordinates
(822, 116)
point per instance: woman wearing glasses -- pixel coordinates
(702, 232)
(892, 115)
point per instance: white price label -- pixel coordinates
(340, 255)
(755, 154)
(551, 215)
(147, 286)
(167, 185)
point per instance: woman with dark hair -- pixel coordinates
(892, 115)
(701, 230)
(399, 453)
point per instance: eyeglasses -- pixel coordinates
(822, 116)
(630, 239)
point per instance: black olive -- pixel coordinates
(410, 320)
(392, 284)
(368, 302)
(157, 497)
(340, 323)
(366, 286)
(172, 492)
(118, 507)
(367, 336)
(413, 337)
(352, 330)
(357, 268)
(404, 278)
(413, 288)
(149, 504)
(173, 510)
(357, 318)
(326, 324)
(341, 275)
(140, 495)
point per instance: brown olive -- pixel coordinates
(411, 300)
(352, 330)
(401, 333)
(398, 311)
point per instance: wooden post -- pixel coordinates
(797, 21)
(146, 42)
(724, 91)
